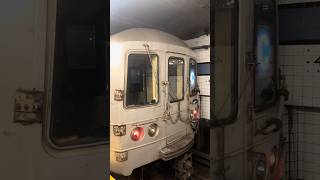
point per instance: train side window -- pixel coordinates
(224, 69)
(79, 77)
(265, 81)
(176, 79)
(192, 76)
(142, 80)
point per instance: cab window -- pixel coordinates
(192, 76)
(176, 79)
(142, 86)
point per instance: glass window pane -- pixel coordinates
(203, 69)
(265, 15)
(142, 80)
(304, 19)
(176, 79)
(226, 59)
(192, 76)
(79, 79)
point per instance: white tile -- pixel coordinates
(309, 81)
(290, 60)
(203, 55)
(307, 91)
(316, 92)
(299, 71)
(294, 50)
(316, 103)
(290, 87)
(314, 118)
(307, 148)
(289, 70)
(308, 67)
(307, 175)
(281, 60)
(205, 107)
(204, 85)
(282, 50)
(297, 61)
(311, 50)
(314, 69)
(290, 80)
(298, 81)
(307, 101)
(297, 91)
(297, 101)
(316, 81)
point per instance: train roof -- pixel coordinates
(147, 35)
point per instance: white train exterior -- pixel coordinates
(154, 98)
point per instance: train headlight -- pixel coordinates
(122, 156)
(137, 134)
(153, 130)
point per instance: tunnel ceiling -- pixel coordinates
(185, 19)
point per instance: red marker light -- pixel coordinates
(195, 114)
(137, 134)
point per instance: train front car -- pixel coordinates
(154, 98)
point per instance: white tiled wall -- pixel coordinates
(302, 74)
(303, 82)
(205, 107)
(203, 56)
(305, 146)
(204, 85)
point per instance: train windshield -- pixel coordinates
(192, 76)
(142, 80)
(176, 77)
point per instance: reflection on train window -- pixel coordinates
(225, 63)
(79, 98)
(265, 85)
(176, 78)
(142, 80)
(192, 76)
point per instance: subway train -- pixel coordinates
(154, 105)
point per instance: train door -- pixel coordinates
(176, 101)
